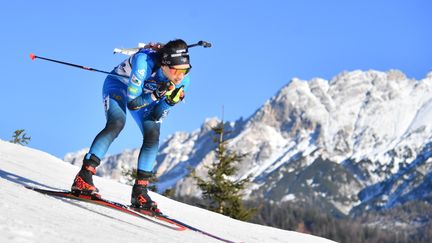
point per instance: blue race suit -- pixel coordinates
(118, 91)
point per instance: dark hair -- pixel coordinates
(174, 44)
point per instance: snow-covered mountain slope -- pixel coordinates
(28, 216)
(358, 141)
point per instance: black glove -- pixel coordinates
(162, 89)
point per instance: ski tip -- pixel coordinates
(32, 56)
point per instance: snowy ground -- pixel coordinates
(28, 216)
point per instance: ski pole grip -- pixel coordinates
(204, 44)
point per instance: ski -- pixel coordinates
(138, 212)
(98, 200)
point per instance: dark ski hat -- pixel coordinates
(175, 53)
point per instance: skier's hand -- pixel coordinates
(162, 89)
(175, 96)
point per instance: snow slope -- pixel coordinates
(28, 216)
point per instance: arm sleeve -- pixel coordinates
(140, 72)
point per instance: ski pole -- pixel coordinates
(204, 44)
(33, 57)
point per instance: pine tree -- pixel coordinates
(129, 174)
(20, 137)
(223, 193)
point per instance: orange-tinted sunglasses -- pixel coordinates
(176, 71)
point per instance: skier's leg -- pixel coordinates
(115, 110)
(116, 119)
(149, 149)
(150, 146)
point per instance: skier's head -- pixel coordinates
(175, 53)
(174, 60)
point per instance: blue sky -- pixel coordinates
(258, 47)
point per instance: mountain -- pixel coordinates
(28, 216)
(359, 141)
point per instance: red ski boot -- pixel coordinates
(140, 197)
(83, 183)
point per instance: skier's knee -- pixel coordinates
(115, 127)
(151, 136)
